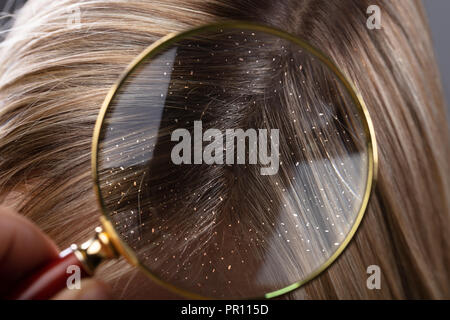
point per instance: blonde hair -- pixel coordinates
(54, 76)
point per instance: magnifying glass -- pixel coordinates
(233, 160)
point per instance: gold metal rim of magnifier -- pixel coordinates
(165, 42)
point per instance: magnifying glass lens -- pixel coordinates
(234, 162)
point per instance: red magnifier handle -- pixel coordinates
(72, 265)
(51, 278)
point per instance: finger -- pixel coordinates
(90, 289)
(23, 248)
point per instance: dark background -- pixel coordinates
(439, 19)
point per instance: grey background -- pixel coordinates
(439, 19)
(438, 16)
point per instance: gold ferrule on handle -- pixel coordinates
(96, 250)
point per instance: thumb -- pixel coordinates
(23, 248)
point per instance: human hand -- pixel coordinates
(24, 248)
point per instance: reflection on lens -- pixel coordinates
(233, 162)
